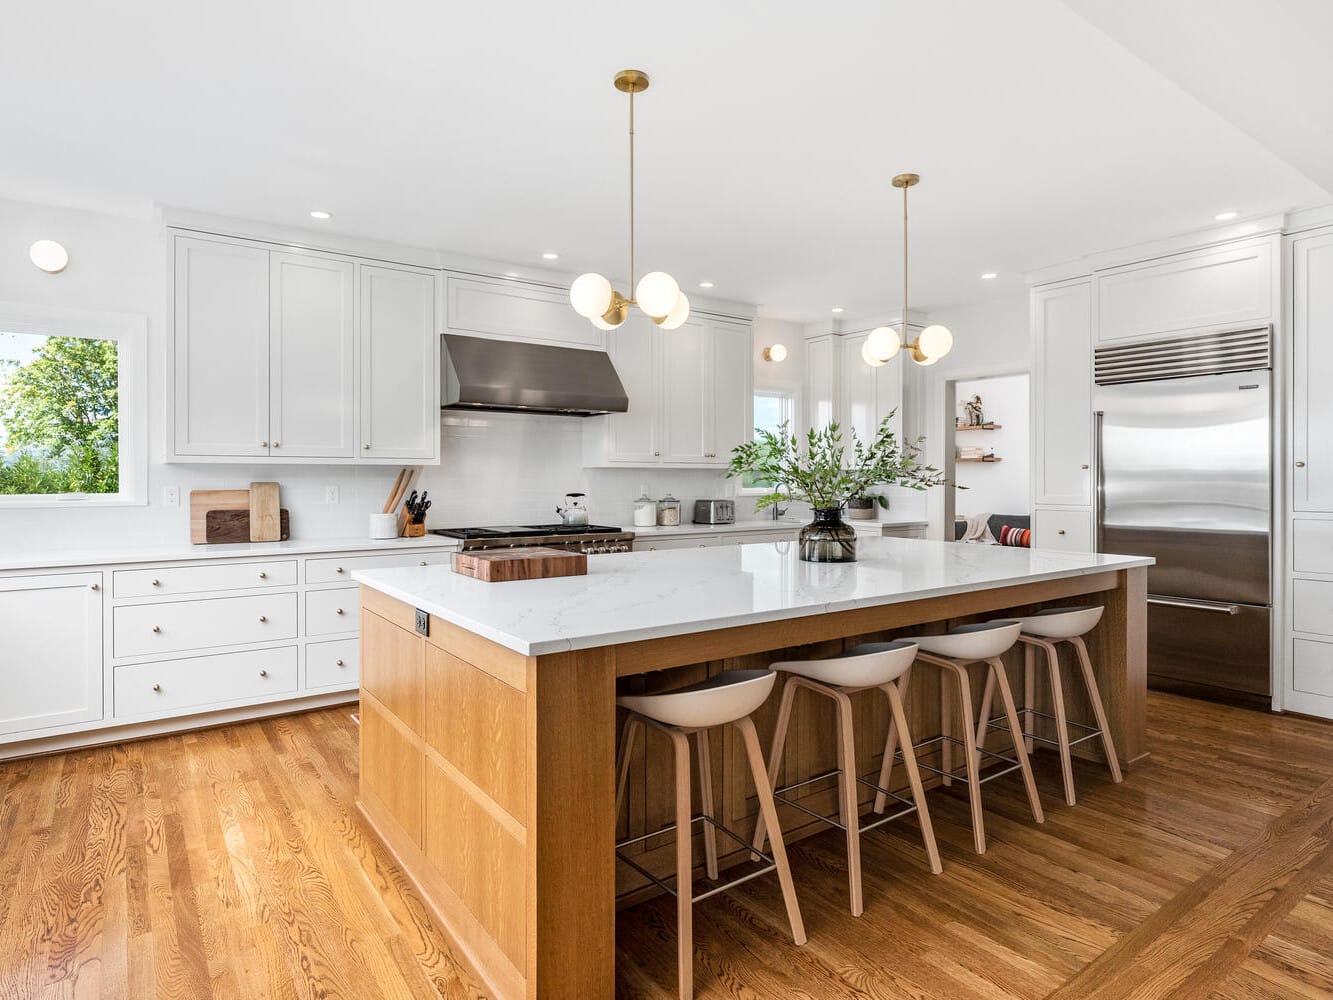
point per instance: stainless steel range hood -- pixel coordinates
(481, 374)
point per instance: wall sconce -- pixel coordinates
(49, 256)
(776, 353)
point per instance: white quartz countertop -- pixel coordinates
(649, 595)
(737, 527)
(110, 554)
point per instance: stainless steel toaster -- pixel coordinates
(715, 512)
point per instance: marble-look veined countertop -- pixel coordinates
(649, 595)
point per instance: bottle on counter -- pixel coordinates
(668, 512)
(645, 510)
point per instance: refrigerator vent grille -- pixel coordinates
(1179, 357)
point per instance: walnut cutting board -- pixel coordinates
(532, 563)
(202, 501)
(222, 526)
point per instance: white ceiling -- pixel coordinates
(765, 145)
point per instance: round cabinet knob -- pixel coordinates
(1300, 464)
(365, 447)
(157, 687)
(263, 673)
(1082, 466)
(422, 563)
(263, 618)
(275, 444)
(337, 663)
(339, 611)
(263, 575)
(157, 628)
(338, 570)
(94, 586)
(157, 583)
(656, 454)
(1061, 531)
(263, 444)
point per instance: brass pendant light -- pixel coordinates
(884, 342)
(657, 293)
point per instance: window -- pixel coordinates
(772, 409)
(71, 408)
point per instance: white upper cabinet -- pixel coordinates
(867, 395)
(820, 381)
(515, 310)
(312, 386)
(400, 364)
(690, 395)
(1196, 291)
(222, 349)
(1062, 346)
(1312, 403)
(274, 360)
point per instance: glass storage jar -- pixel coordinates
(668, 512)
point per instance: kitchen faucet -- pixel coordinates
(778, 512)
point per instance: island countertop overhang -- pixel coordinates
(634, 596)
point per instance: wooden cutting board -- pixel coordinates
(265, 525)
(221, 526)
(202, 501)
(531, 563)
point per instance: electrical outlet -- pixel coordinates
(171, 496)
(330, 494)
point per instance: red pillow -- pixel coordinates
(1009, 535)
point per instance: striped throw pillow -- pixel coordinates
(1009, 535)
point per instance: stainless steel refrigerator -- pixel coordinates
(1185, 474)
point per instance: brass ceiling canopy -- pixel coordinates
(631, 81)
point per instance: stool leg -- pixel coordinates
(770, 813)
(891, 744)
(984, 717)
(684, 869)
(775, 753)
(848, 798)
(1011, 713)
(1029, 694)
(946, 729)
(706, 801)
(914, 779)
(1095, 696)
(970, 750)
(1061, 720)
(622, 765)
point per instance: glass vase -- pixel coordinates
(828, 538)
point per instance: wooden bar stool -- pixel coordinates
(1043, 631)
(863, 668)
(727, 698)
(955, 652)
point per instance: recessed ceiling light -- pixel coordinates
(705, 284)
(1225, 216)
(48, 256)
(321, 215)
(550, 255)
(989, 276)
(837, 309)
(511, 274)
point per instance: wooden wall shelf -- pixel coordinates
(987, 460)
(980, 427)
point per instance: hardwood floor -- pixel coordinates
(231, 863)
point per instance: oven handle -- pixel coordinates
(1173, 602)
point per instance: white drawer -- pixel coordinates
(177, 580)
(652, 544)
(1312, 667)
(1312, 547)
(759, 536)
(328, 612)
(1070, 530)
(339, 570)
(166, 687)
(172, 626)
(333, 664)
(903, 531)
(1312, 606)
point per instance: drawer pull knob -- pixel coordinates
(263, 575)
(338, 570)
(263, 673)
(422, 563)
(157, 628)
(94, 586)
(1082, 466)
(263, 618)
(339, 611)
(1061, 531)
(275, 444)
(263, 444)
(337, 663)
(1300, 464)
(157, 687)
(157, 583)
(365, 447)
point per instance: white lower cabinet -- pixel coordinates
(173, 581)
(333, 664)
(175, 626)
(328, 612)
(339, 569)
(1070, 530)
(1312, 667)
(678, 542)
(50, 651)
(747, 537)
(167, 686)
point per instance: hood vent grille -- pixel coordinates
(1181, 357)
(482, 374)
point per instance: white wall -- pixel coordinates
(990, 338)
(1002, 487)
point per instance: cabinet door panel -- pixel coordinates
(732, 398)
(221, 349)
(820, 382)
(311, 357)
(685, 358)
(1312, 405)
(859, 410)
(51, 655)
(400, 370)
(517, 310)
(633, 435)
(1062, 328)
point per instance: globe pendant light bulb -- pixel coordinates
(590, 295)
(924, 361)
(656, 293)
(602, 324)
(679, 313)
(883, 343)
(869, 356)
(935, 342)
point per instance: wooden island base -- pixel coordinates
(490, 774)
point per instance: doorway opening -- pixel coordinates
(988, 448)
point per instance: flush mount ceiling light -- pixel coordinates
(48, 256)
(1225, 216)
(777, 353)
(884, 342)
(321, 215)
(837, 309)
(550, 255)
(705, 284)
(989, 276)
(657, 293)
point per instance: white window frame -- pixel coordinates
(792, 405)
(130, 332)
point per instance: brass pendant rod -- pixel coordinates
(631, 194)
(904, 338)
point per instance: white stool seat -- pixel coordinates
(868, 665)
(723, 698)
(1062, 623)
(979, 641)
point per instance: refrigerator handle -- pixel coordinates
(1099, 483)
(1175, 602)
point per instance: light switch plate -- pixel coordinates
(171, 496)
(330, 494)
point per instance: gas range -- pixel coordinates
(592, 539)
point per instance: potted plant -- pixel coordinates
(824, 473)
(863, 506)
